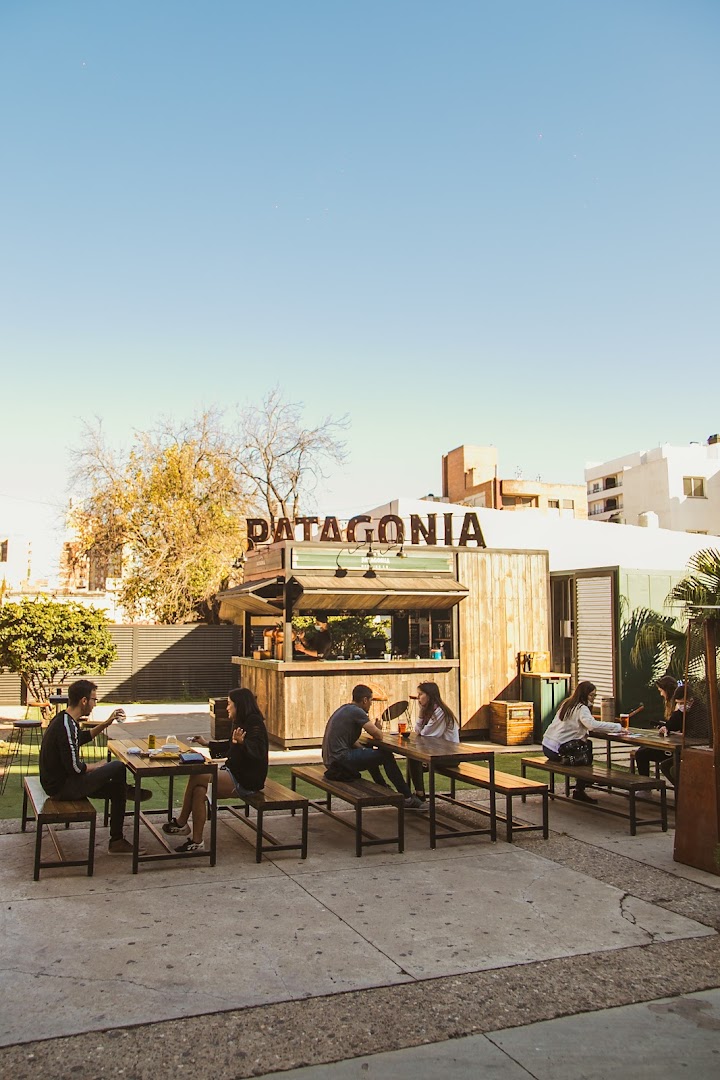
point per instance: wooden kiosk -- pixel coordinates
(459, 617)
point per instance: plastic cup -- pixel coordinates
(625, 719)
(402, 727)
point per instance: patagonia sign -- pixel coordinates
(391, 529)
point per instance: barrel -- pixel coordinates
(607, 710)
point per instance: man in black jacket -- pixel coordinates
(64, 775)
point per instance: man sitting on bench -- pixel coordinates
(344, 760)
(64, 775)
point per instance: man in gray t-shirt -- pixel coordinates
(339, 746)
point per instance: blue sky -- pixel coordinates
(486, 222)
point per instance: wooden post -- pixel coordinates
(711, 677)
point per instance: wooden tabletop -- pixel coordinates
(643, 737)
(149, 765)
(429, 749)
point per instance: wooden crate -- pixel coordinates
(220, 727)
(511, 722)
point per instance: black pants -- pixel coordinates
(104, 782)
(551, 755)
(417, 775)
(645, 754)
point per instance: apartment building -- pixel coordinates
(673, 487)
(470, 476)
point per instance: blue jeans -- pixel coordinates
(370, 758)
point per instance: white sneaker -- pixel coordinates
(173, 827)
(190, 845)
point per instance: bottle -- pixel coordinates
(151, 742)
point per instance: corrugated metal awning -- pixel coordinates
(382, 593)
(256, 597)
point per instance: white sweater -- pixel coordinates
(437, 726)
(575, 724)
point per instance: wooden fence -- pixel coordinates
(160, 663)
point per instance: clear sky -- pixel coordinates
(485, 222)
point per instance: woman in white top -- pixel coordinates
(435, 719)
(572, 724)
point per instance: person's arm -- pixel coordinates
(675, 723)
(373, 731)
(589, 722)
(252, 743)
(68, 749)
(92, 733)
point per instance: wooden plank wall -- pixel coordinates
(297, 705)
(506, 612)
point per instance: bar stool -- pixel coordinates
(24, 735)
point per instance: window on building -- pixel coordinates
(568, 504)
(3, 550)
(554, 504)
(527, 501)
(694, 487)
(508, 500)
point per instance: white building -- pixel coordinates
(675, 487)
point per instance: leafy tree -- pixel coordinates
(682, 649)
(282, 460)
(174, 505)
(47, 643)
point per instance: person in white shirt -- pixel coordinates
(572, 724)
(435, 719)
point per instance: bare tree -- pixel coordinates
(282, 460)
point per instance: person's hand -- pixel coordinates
(197, 740)
(662, 730)
(115, 717)
(238, 736)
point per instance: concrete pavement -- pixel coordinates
(590, 954)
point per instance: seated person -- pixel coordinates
(690, 716)
(344, 759)
(644, 755)
(316, 643)
(567, 735)
(64, 775)
(244, 772)
(435, 720)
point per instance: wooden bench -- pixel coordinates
(360, 794)
(614, 781)
(505, 784)
(49, 811)
(272, 797)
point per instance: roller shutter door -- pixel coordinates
(595, 618)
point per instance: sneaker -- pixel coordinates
(190, 845)
(580, 795)
(175, 827)
(120, 847)
(413, 803)
(145, 794)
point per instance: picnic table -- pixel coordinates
(436, 754)
(144, 767)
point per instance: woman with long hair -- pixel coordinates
(243, 773)
(435, 719)
(689, 715)
(566, 739)
(666, 687)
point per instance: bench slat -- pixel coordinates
(49, 811)
(505, 783)
(358, 793)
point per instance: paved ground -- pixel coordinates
(591, 954)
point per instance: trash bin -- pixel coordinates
(547, 690)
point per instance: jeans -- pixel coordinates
(104, 782)
(370, 759)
